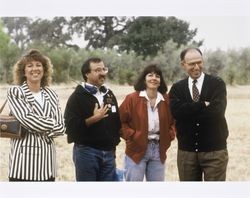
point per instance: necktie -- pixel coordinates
(196, 95)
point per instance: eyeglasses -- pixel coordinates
(100, 70)
(199, 63)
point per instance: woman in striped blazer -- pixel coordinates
(36, 106)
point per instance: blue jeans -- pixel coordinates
(93, 164)
(150, 166)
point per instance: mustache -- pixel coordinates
(102, 76)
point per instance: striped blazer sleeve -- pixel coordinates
(59, 127)
(23, 111)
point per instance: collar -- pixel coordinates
(198, 84)
(159, 96)
(28, 94)
(199, 80)
(94, 89)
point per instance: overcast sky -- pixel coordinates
(226, 27)
(223, 24)
(224, 32)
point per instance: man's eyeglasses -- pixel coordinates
(192, 64)
(100, 70)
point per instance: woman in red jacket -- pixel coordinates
(147, 127)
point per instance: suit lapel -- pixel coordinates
(29, 98)
(186, 90)
(205, 87)
(43, 110)
(47, 107)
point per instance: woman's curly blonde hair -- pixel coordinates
(33, 55)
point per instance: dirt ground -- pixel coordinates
(237, 114)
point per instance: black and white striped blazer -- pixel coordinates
(33, 157)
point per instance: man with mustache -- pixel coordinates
(93, 124)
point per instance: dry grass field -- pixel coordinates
(237, 113)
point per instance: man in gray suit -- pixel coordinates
(198, 104)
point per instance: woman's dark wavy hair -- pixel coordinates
(33, 55)
(140, 84)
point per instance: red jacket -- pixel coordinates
(134, 118)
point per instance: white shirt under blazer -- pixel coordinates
(33, 157)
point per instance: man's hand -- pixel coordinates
(98, 114)
(101, 112)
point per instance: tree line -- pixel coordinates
(126, 44)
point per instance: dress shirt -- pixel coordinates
(153, 116)
(198, 83)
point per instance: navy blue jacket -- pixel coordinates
(200, 128)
